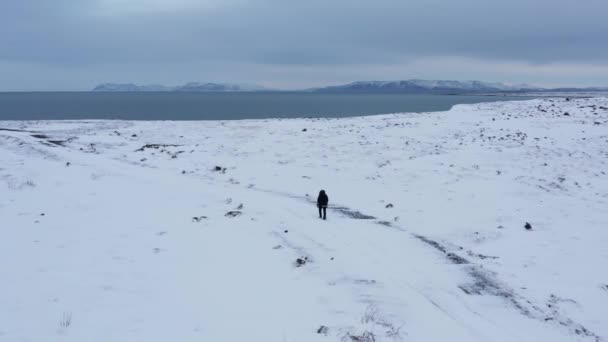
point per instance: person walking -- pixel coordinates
(322, 202)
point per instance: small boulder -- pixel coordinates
(301, 261)
(233, 213)
(528, 226)
(323, 330)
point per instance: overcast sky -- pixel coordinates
(76, 44)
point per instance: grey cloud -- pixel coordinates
(324, 33)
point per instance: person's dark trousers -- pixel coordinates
(324, 211)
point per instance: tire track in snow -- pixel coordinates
(484, 282)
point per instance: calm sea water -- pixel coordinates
(218, 106)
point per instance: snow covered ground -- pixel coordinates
(127, 231)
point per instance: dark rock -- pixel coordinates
(154, 146)
(304, 130)
(323, 330)
(286, 231)
(390, 205)
(528, 226)
(198, 218)
(301, 261)
(233, 213)
(57, 142)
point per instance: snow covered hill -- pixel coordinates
(426, 87)
(484, 223)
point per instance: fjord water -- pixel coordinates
(219, 106)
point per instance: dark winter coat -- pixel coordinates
(322, 200)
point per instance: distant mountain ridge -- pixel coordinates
(425, 86)
(189, 87)
(414, 86)
(128, 87)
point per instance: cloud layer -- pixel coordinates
(65, 44)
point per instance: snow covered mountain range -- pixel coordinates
(188, 87)
(414, 86)
(425, 86)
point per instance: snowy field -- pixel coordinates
(192, 231)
